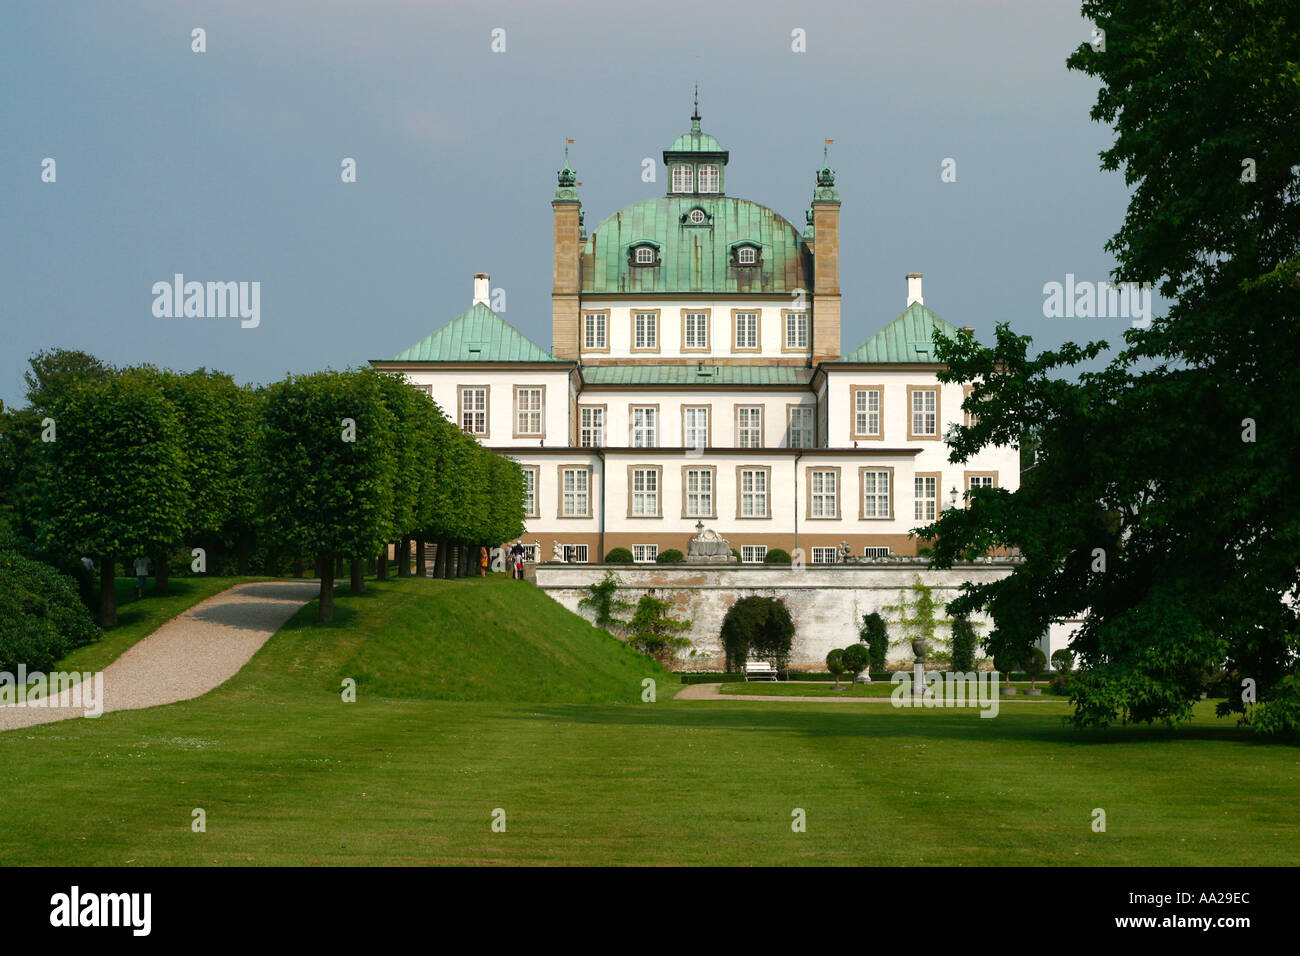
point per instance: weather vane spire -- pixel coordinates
(695, 117)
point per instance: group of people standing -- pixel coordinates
(514, 560)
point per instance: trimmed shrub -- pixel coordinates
(776, 556)
(835, 664)
(619, 556)
(963, 645)
(875, 634)
(1035, 661)
(1063, 660)
(855, 659)
(671, 556)
(42, 617)
(758, 627)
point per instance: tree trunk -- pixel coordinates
(358, 576)
(381, 566)
(404, 558)
(325, 611)
(440, 559)
(338, 566)
(241, 558)
(370, 565)
(297, 567)
(420, 565)
(107, 593)
(161, 575)
(464, 560)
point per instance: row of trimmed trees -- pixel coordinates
(118, 463)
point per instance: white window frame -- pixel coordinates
(925, 489)
(749, 434)
(874, 494)
(643, 255)
(526, 414)
(927, 417)
(575, 554)
(802, 435)
(694, 433)
(826, 555)
(683, 178)
(530, 492)
(698, 501)
(753, 553)
(752, 495)
(595, 331)
(645, 426)
(591, 435)
(746, 331)
(746, 256)
(796, 331)
(580, 492)
(866, 412)
(645, 553)
(870, 551)
(823, 493)
(644, 493)
(645, 331)
(695, 338)
(474, 409)
(708, 177)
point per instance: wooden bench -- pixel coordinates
(759, 670)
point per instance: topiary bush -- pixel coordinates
(1035, 661)
(855, 659)
(835, 664)
(1063, 660)
(963, 645)
(776, 556)
(875, 634)
(42, 617)
(619, 556)
(758, 627)
(671, 556)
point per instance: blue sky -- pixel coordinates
(225, 165)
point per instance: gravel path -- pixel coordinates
(191, 654)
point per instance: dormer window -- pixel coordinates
(644, 254)
(746, 254)
(709, 178)
(682, 178)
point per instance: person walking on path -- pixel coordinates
(141, 575)
(517, 559)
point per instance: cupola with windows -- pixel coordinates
(695, 161)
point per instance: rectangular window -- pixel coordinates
(575, 492)
(645, 424)
(796, 331)
(753, 493)
(823, 494)
(924, 418)
(980, 481)
(746, 334)
(870, 552)
(474, 410)
(595, 330)
(801, 426)
(697, 495)
(422, 389)
(591, 426)
(682, 178)
(927, 497)
(575, 554)
(530, 492)
(749, 426)
(875, 494)
(708, 179)
(645, 553)
(825, 555)
(645, 331)
(528, 411)
(866, 412)
(644, 493)
(695, 426)
(753, 553)
(532, 553)
(695, 331)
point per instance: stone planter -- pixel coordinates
(919, 648)
(1035, 691)
(1008, 691)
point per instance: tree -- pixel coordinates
(758, 627)
(326, 463)
(112, 482)
(42, 617)
(1062, 660)
(835, 664)
(963, 644)
(652, 631)
(855, 659)
(1035, 661)
(1158, 503)
(602, 600)
(875, 634)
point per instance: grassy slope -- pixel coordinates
(287, 773)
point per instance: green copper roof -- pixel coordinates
(476, 335)
(695, 258)
(692, 375)
(909, 338)
(695, 142)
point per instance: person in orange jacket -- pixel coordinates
(482, 561)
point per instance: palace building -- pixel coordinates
(696, 377)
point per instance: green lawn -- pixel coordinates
(808, 688)
(289, 774)
(139, 617)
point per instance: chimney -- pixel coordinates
(914, 288)
(482, 288)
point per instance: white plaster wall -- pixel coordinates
(771, 326)
(827, 604)
(501, 400)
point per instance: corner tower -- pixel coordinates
(825, 221)
(567, 277)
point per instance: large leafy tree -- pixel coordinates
(327, 466)
(1159, 499)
